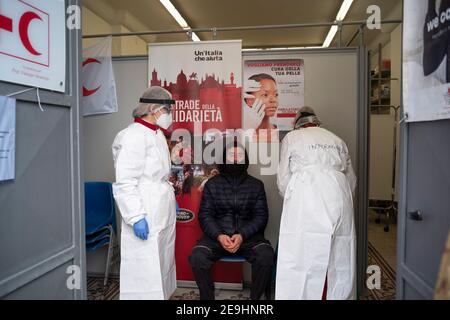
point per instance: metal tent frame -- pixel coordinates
(214, 30)
(363, 98)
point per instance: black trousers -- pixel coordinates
(256, 250)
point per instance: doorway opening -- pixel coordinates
(385, 88)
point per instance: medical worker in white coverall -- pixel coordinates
(317, 252)
(146, 200)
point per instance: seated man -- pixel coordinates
(233, 215)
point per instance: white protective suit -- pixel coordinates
(317, 232)
(142, 163)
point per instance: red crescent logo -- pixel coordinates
(88, 92)
(24, 24)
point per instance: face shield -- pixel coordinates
(161, 109)
(159, 104)
(306, 116)
(151, 100)
(301, 122)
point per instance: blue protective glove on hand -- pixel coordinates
(140, 229)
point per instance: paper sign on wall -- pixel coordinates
(7, 138)
(33, 42)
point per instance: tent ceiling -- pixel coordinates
(233, 13)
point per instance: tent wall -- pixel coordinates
(332, 82)
(42, 209)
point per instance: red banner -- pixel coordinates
(205, 81)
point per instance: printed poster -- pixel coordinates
(279, 86)
(426, 60)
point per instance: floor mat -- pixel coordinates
(388, 285)
(96, 291)
(387, 292)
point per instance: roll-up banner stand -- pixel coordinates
(205, 81)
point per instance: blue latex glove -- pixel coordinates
(140, 229)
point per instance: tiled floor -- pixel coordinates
(384, 242)
(192, 294)
(96, 291)
(382, 252)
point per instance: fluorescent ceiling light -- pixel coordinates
(178, 17)
(345, 7)
(175, 14)
(195, 37)
(330, 36)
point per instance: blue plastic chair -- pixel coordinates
(237, 258)
(232, 258)
(100, 219)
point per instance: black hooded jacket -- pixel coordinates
(233, 204)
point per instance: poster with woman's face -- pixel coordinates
(274, 90)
